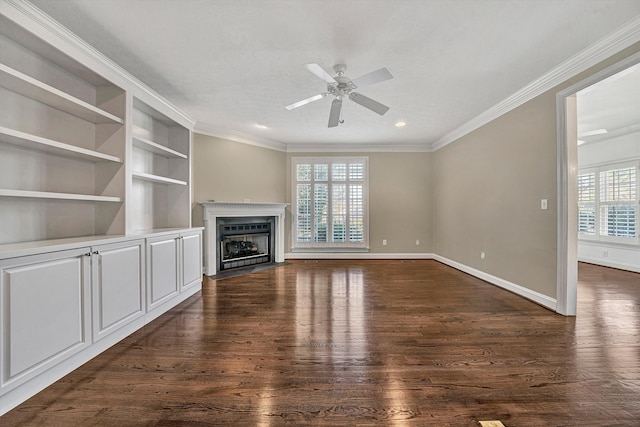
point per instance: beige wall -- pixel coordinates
(229, 171)
(399, 200)
(487, 191)
(399, 196)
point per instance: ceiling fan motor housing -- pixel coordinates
(340, 69)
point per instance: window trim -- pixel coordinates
(328, 246)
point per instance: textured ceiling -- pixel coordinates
(612, 105)
(232, 65)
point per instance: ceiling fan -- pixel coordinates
(342, 86)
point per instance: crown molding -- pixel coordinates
(604, 48)
(42, 25)
(233, 135)
(358, 148)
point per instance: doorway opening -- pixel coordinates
(567, 244)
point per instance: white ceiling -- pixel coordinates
(610, 108)
(232, 65)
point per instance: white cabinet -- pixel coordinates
(174, 265)
(45, 317)
(58, 303)
(118, 285)
(63, 304)
(191, 248)
(162, 267)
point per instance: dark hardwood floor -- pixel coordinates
(349, 343)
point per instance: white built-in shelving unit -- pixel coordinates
(95, 203)
(160, 170)
(62, 144)
(81, 154)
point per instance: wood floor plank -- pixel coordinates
(409, 343)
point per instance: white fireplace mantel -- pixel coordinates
(215, 210)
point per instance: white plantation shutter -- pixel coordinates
(618, 202)
(356, 213)
(330, 202)
(321, 214)
(339, 211)
(608, 203)
(587, 203)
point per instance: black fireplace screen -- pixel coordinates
(243, 245)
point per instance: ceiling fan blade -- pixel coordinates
(369, 103)
(305, 101)
(373, 77)
(334, 115)
(320, 72)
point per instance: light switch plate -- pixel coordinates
(543, 204)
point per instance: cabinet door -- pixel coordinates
(162, 267)
(118, 286)
(45, 312)
(191, 259)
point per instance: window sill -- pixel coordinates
(596, 242)
(328, 250)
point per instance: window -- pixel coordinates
(608, 203)
(330, 202)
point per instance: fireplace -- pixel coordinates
(235, 234)
(244, 242)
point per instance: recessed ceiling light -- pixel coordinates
(400, 124)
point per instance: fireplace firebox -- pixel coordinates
(244, 242)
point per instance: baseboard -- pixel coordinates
(543, 300)
(612, 264)
(356, 255)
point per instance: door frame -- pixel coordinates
(567, 235)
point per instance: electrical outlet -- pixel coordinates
(482, 255)
(543, 204)
(384, 242)
(417, 242)
(605, 254)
